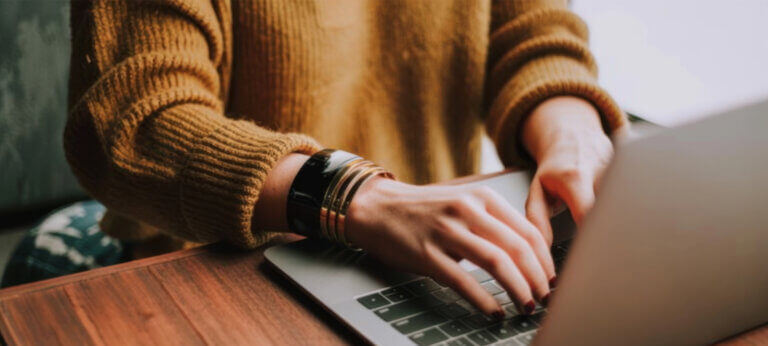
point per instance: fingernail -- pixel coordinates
(529, 307)
(553, 282)
(498, 314)
(545, 300)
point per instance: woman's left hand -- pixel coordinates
(565, 136)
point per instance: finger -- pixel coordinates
(577, 193)
(499, 208)
(517, 249)
(496, 262)
(579, 196)
(538, 211)
(450, 272)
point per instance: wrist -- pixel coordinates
(558, 121)
(270, 209)
(322, 191)
(364, 204)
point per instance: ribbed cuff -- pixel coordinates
(221, 181)
(512, 152)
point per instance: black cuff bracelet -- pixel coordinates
(308, 190)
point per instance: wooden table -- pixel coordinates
(209, 295)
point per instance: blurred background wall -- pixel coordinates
(34, 64)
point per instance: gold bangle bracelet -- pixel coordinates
(347, 200)
(338, 196)
(339, 201)
(342, 188)
(330, 192)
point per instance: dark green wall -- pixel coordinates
(34, 64)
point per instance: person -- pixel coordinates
(190, 121)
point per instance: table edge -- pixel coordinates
(13, 291)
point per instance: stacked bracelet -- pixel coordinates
(322, 191)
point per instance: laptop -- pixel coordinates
(674, 252)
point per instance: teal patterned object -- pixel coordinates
(67, 241)
(34, 69)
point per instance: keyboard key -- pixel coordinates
(522, 323)
(398, 311)
(429, 301)
(418, 322)
(407, 308)
(452, 311)
(399, 296)
(492, 288)
(429, 337)
(481, 338)
(480, 275)
(455, 328)
(502, 298)
(460, 342)
(423, 286)
(537, 318)
(479, 321)
(446, 295)
(398, 291)
(508, 342)
(467, 305)
(502, 330)
(525, 339)
(373, 301)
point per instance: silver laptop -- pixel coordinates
(675, 252)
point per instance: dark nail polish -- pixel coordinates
(553, 282)
(529, 307)
(545, 300)
(498, 314)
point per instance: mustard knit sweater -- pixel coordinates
(180, 108)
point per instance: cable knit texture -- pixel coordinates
(179, 109)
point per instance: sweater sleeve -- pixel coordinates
(146, 132)
(537, 50)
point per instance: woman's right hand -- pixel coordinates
(428, 229)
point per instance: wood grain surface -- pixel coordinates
(209, 295)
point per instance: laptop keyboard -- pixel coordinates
(429, 313)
